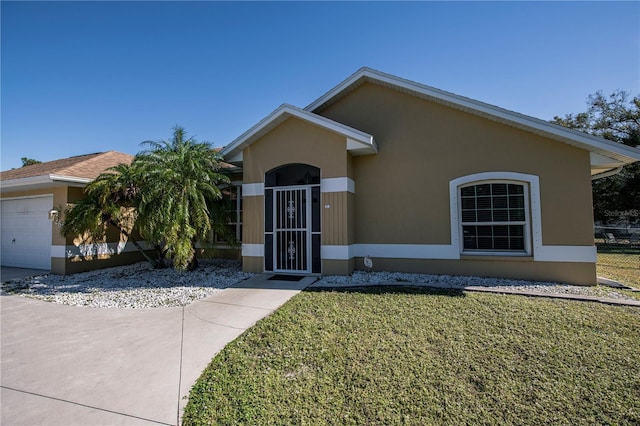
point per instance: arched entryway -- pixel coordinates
(292, 219)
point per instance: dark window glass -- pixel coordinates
(488, 213)
(293, 174)
(499, 202)
(468, 215)
(268, 252)
(316, 263)
(468, 203)
(468, 191)
(315, 209)
(268, 210)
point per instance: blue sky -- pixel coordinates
(83, 77)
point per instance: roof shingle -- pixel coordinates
(87, 166)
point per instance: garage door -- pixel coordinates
(26, 232)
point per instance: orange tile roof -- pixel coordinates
(82, 166)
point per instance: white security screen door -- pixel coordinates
(292, 233)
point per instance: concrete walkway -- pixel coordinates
(64, 365)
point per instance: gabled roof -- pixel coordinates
(73, 170)
(358, 142)
(606, 154)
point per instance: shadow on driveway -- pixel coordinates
(8, 273)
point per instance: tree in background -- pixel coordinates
(616, 118)
(29, 161)
(169, 195)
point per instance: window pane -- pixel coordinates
(469, 237)
(500, 215)
(501, 243)
(516, 230)
(516, 189)
(501, 231)
(485, 231)
(484, 202)
(499, 189)
(469, 216)
(468, 203)
(517, 243)
(493, 203)
(468, 191)
(516, 215)
(499, 202)
(470, 243)
(484, 189)
(516, 202)
(484, 215)
(485, 243)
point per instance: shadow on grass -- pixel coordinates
(389, 289)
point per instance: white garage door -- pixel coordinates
(26, 232)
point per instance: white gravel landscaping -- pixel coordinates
(140, 286)
(135, 286)
(362, 278)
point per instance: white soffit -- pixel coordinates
(621, 153)
(357, 142)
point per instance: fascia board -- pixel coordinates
(576, 138)
(41, 180)
(32, 180)
(281, 114)
(70, 179)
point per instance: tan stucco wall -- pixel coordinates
(337, 224)
(296, 141)
(564, 272)
(253, 220)
(337, 267)
(402, 193)
(252, 264)
(73, 266)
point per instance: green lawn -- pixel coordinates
(623, 267)
(413, 356)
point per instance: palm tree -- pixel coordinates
(110, 200)
(179, 181)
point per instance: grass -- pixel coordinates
(621, 267)
(417, 357)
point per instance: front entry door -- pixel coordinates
(291, 226)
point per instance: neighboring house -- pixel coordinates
(33, 200)
(420, 180)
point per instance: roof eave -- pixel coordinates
(358, 142)
(620, 152)
(43, 180)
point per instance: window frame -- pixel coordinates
(526, 223)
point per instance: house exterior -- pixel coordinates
(33, 199)
(418, 180)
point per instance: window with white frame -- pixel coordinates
(494, 217)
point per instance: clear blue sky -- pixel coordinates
(83, 77)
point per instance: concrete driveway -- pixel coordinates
(8, 273)
(64, 365)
